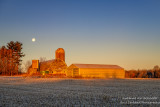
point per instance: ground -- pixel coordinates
(62, 92)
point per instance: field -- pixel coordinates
(62, 92)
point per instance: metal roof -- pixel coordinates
(98, 66)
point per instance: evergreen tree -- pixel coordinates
(10, 58)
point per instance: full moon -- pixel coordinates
(33, 39)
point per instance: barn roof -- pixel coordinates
(98, 66)
(48, 61)
(46, 64)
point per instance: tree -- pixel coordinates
(17, 53)
(42, 59)
(149, 74)
(156, 68)
(156, 71)
(4, 59)
(156, 74)
(27, 65)
(10, 58)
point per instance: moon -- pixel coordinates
(33, 39)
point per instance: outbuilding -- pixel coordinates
(95, 71)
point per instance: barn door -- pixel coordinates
(75, 72)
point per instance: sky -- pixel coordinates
(119, 32)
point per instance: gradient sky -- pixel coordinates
(122, 32)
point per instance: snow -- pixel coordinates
(26, 92)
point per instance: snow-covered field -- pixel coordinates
(62, 92)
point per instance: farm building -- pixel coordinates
(56, 66)
(95, 71)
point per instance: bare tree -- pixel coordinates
(42, 59)
(27, 65)
(156, 68)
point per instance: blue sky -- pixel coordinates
(122, 32)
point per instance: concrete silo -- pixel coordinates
(60, 54)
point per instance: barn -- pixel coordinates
(55, 66)
(95, 71)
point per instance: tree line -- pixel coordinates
(152, 73)
(10, 58)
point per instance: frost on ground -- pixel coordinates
(62, 92)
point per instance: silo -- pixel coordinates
(60, 54)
